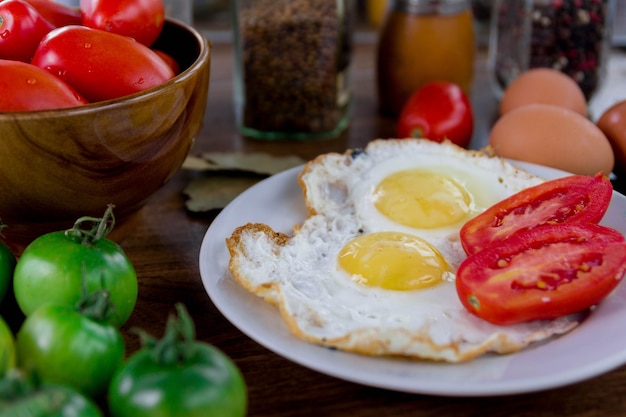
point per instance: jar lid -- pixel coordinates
(434, 7)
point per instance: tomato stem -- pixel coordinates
(101, 227)
(176, 345)
(96, 305)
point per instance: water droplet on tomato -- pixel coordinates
(5, 34)
(31, 81)
(87, 45)
(140, 81)
(57, 70)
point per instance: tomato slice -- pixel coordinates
(542, 273)
(571, 199)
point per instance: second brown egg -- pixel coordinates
(544, 86)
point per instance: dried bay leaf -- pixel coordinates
(215, 192)
(225, 175)
(255, 162)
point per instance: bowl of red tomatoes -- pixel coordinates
(96, 138)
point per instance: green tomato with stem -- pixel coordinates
(178, 376)
(53, 268)
(75, 346)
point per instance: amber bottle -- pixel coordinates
(421, 41)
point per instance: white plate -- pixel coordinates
(591, 349)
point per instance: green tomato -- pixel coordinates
(66, 346)
(7, 348)
(54, 267)
(7, 265)
(20, 396)
(178, 377)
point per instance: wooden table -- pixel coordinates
(165, 244)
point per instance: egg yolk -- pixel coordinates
(422, 199)
(393, 260)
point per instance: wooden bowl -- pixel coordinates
(59, 165)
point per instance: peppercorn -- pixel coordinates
(567, 35)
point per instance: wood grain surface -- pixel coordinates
(164, 247)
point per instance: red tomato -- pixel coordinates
(56, 13)
(571, 199)
(25, 87)
(169, 60)
(139, 19)
(438, 110)
(542, 273)
(21, 29)
(100, 65)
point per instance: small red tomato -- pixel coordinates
(100, 65)
(141, 20)
(613, 124)
(25, 87)
(56, 13)
(571, 199)
(542, 273)
(21, 29)
(437, 111)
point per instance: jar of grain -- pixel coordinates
(292, 60)
(422, 41)
(573, 36)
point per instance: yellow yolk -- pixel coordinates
(393, 260)
(422, 199)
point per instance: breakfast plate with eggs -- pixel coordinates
(312, 264)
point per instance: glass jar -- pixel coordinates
(422, 41)
(572, 36)
(291, 67)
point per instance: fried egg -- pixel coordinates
(371, 270)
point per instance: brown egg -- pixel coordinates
(552, 136)
(543, 85)
(613, 123)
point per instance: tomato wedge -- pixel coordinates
(542, 273)
(571, 199)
